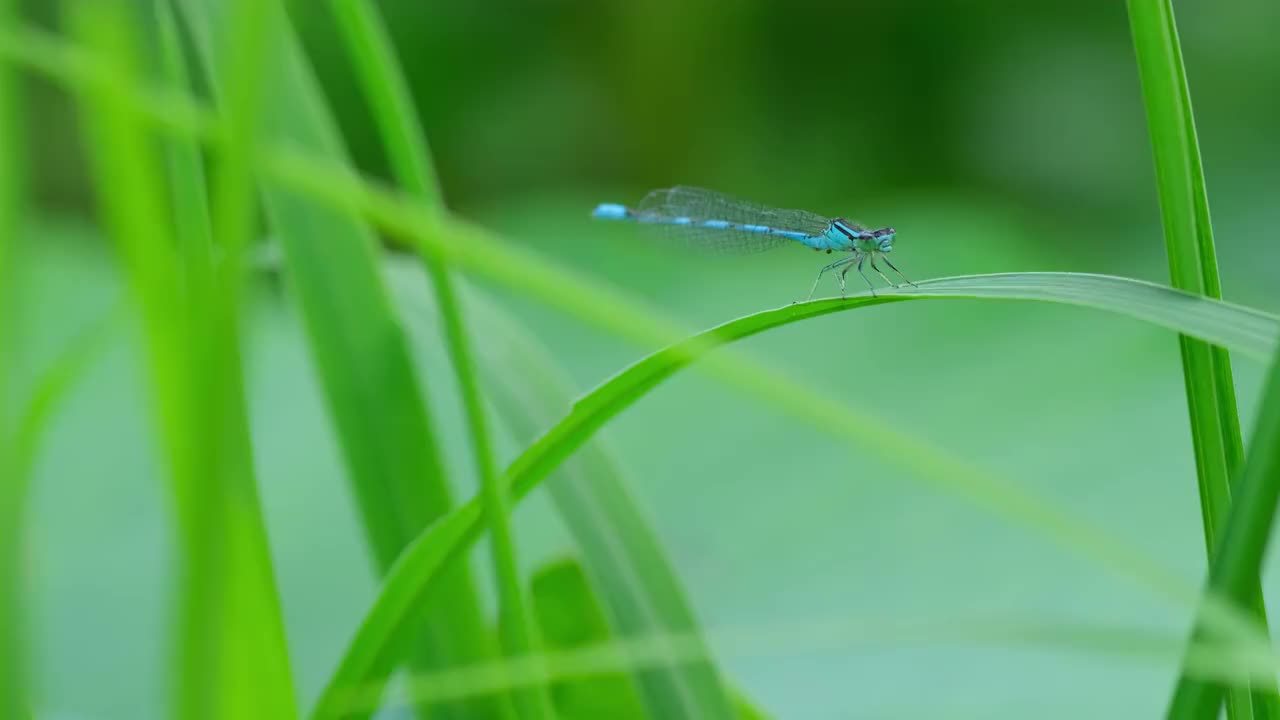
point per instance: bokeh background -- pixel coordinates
(996, 136)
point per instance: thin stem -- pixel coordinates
(370, 47)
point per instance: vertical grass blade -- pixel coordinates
(13, 648)
(1184, 205)
(384, 85)
(1242, 543)
(254, 654)
(187, 176)
(360, 353)
(570, 618)
(233, 660)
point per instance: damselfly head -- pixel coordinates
(884, 238)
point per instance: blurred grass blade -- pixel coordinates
(14, 693)
(1193, 266)
(370, 48)
(626, 562)
(51, 388)
(625, 559)
(238, 666)
(187, 177)
(238, 541)
(198, 504)
(1242, 545)
(1104, 643)
(570, 618)
(1231, 326)
(359, 350)
(413, 576)
(473, 249)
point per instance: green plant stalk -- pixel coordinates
(192, 217)
(249, 596)
(199, 507)
(411, 579)
(14, 701)
(476, 251)
(193, 350)
(1106, 643)
(621, 552)
(50, 389)
(362, 358)
(1184, 205)
(384, 85)
(1243, 541)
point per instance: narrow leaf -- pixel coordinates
(359, 349)
(1193, 266)
(413, 577)
(370, 48)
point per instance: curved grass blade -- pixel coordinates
(476, 250)
(1105, 642)
(370, 48)
(413, 576)
(623, 556)
(1234, 327)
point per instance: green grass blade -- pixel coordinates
(196, 661)
(570, 618)
(387, 91)
(1237, 561)
(361, 354)
(1105, 643)
(624, 557)
(1231, 326)
(370, 48)
(263, 688)
(413, 576)
(1184, 204)
(51, 387)
(476, 250)
(625, 560)
(14, 700)
(187, 177)
(239, 665)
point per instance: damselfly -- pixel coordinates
(708, 220)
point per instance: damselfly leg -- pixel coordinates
(844, 272)
(895, 269)
(823, 271)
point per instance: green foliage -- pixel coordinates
(1193, 266)
(570, 617)
(402, 134)
(414, 575)
(621, 551)
(359, 347)
(611, 632)
(14, 699)
(234, 661)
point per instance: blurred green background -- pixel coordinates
(996, 136)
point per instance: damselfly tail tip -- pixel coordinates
(611, 211)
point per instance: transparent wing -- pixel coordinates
(701, 205)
